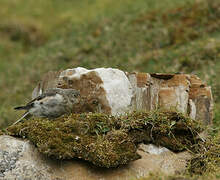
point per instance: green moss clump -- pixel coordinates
(113, 149)
(87, 136)
(166, 128)
(206, 157)
(105, 140)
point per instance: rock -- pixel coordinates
(21, 160)
(30, 164)
(184, 92)
(201, 98)
(113, 91)
(102, 88)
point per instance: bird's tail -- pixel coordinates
(21, 108)
(24, 115)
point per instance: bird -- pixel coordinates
(52, 103)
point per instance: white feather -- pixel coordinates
(21, 118)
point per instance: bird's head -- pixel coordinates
(73, 95)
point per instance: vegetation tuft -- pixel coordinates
(105, 140)
(207, 157)
(165, 128)
(87, 136)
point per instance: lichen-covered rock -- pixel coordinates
(28, 163)
(113, 91)
(20, 160)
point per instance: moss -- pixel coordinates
(105, 140)
(166, 128)
(206, 157)
(79, 135)
(108, 141)
(113, 149)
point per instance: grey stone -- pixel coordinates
(20, 160)
(32, 165)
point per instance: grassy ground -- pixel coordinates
(142, 35)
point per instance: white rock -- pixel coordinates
(30, 164)
(152, 149)
(117, 87)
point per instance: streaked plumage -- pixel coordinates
(51, 104)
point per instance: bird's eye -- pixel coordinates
(76, 95)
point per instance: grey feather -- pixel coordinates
(51, 104)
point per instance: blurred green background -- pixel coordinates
(143, 35)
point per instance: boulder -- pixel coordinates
(104, 90)
(113, 91)
(21, 160)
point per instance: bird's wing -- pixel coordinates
(42, 96)
(31, 103)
